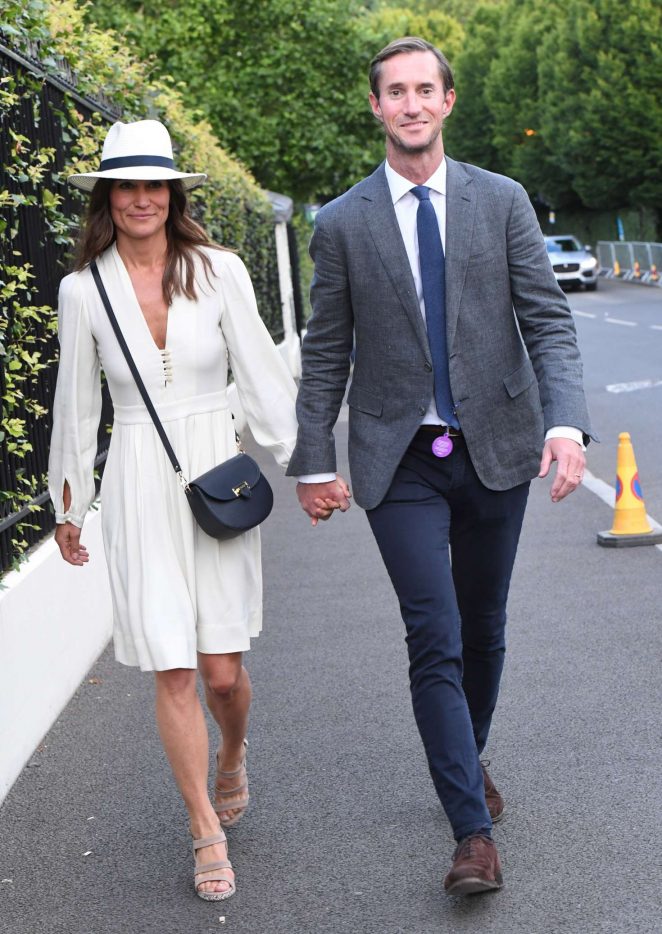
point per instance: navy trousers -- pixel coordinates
(449, 546)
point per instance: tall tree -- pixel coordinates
(283, 83)
(564, 96)
(513, 95)
(469, 134)
(390, 21)
(600, 72)
(460, 10)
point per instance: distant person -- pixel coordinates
(182, 601)
(467, 383)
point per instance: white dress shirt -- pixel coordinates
(405, 205)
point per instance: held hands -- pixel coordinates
(570, 466)
(67, 538)
(320, 500)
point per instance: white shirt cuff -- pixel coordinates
(563, 431)
(317, 478)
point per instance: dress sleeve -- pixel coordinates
(266, 389)
(76, 408)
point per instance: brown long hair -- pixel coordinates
(185, 239)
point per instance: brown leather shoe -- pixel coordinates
(493, 800)
(476, 867)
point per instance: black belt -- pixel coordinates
(440, 430)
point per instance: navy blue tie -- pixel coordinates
(433, 277)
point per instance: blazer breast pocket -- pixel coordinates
(519, 380)
(363, 400)
(488, 257)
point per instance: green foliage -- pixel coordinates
(608, 55)
(460, 10)
(469, 133)
(513, 97)
(24, 343)
(564, 96)
(303, 230)
(591, 226)
(282, 83)
(391, 21)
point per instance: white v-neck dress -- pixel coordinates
(175, 590)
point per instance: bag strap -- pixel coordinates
(136, 375)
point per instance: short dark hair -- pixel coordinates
(409, 44)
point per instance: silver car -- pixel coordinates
(574, 265)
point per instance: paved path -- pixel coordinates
(344, 833)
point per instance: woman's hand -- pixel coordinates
(67, 538)
(320, 500)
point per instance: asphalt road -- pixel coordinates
(620, 334)
(344, 833)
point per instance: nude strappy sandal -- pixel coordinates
(231, 799)
(219, 868)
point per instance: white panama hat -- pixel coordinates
(136, 151)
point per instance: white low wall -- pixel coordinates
(55, 619)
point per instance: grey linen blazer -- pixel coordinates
(515, 368)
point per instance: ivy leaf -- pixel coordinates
(49, 199)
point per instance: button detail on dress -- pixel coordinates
(166, 362)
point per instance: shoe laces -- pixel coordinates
(465, 847)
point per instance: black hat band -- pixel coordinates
(123, 162)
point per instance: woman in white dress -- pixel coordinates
(182, 601)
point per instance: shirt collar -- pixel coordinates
(399, 186)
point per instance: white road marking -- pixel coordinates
(627, 324)
(656, 327)
(583, 314)
(633, 386)
(608, 495)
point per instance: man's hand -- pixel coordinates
(320, 500)
(67, 538)
(570, 466)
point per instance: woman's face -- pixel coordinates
(139, 209)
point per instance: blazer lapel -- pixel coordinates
(460, 214)
(383, 226)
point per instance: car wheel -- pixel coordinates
(591, 286)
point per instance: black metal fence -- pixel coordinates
(35, 244)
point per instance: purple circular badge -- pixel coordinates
(442, 446)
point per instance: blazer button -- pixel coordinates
(428, 366)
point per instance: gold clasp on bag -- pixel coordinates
(242, 486)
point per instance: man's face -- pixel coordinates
(412, 103)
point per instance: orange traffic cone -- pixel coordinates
(617, 268)
(631, 525)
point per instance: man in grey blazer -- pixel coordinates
(467, 383)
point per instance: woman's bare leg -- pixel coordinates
(228, 692)
(183, 731)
